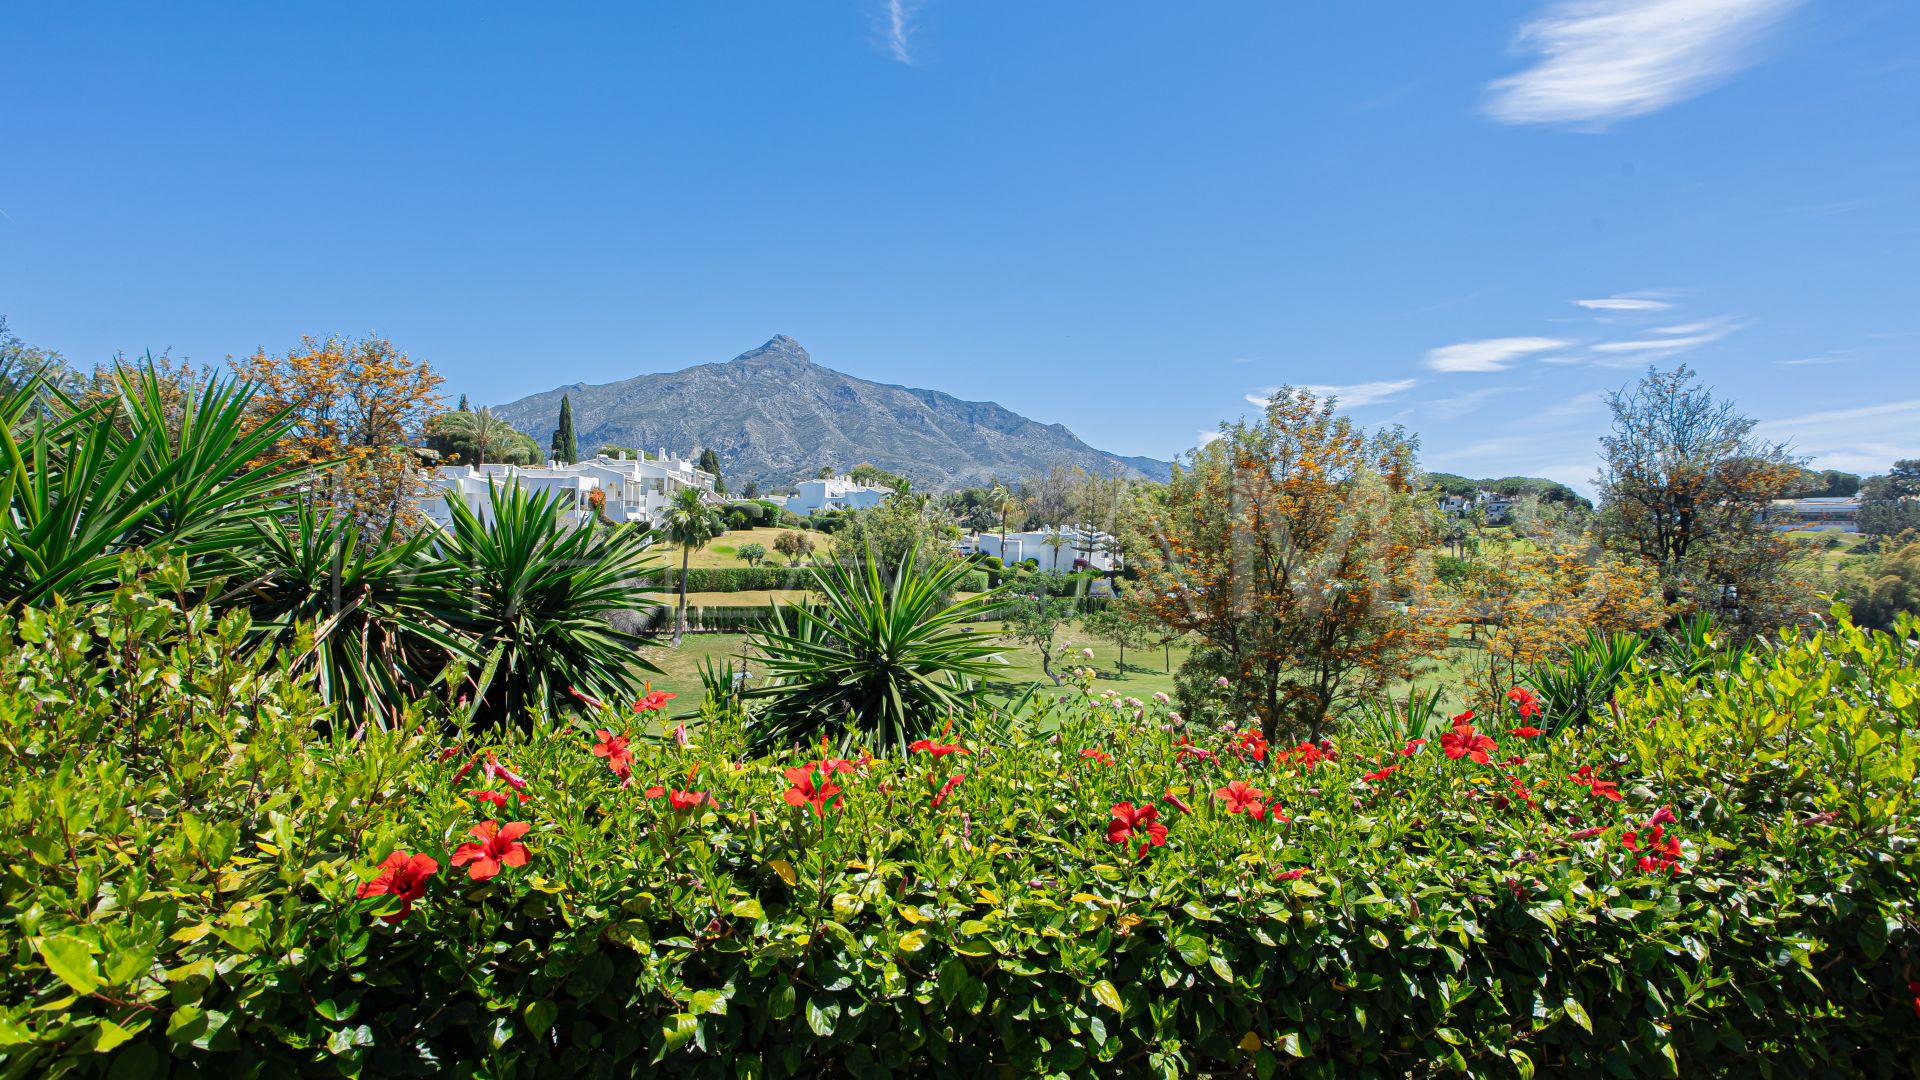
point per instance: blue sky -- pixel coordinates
(1131, 218)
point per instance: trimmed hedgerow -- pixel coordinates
(769, 578)
(1721, 880)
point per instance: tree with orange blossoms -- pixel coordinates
(1292, 547)
(362, 407)
(1541, 592)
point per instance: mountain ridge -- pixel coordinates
(775, 416)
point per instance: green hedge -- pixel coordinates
(183, 854)
(765, 578)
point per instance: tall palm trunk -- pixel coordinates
(680, 615)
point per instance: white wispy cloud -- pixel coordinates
(1812, 361)
(1205, 437)
(1492, 354)
(1674, 339)
(1352, 396)
(1624, 303)
(1607, 60)
(1862, 440)
(899, 28)
(1448, 408)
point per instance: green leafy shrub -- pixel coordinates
(184, 862)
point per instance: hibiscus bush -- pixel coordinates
(1719, 879)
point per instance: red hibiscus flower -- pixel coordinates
(807, 791)
(829, 766)
(497, 798)
(1413, 747)
(1308, 755)
(587, 699)
(1379, 774)
(1662, 816)
(687, 800)
(656, 792)
(1604, 789)
(938, 750)
(1659, 851)
(1253, 744)
(1291, 875)
(1587, 834)
(654, 700)
(1520, 789)
(1098, 757)
(946, 789)
(1527, 731)
(1130, 821)
(614, 749)
(1524, 700)
(1462, 719)
(1242, 798)
(1176, 801)
(404, 876)
(1462, 741)
(498, 846)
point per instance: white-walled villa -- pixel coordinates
(835, 493)
(636, 489)
(1076, 542)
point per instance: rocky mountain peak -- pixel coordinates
(779, 349)
(774, 416)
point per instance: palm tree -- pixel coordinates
(1055, 539)
(690, 523)
(1004, 502)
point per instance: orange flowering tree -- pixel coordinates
(1537, 594)
(1292, 547)
(361, 409)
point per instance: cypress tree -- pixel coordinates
(565, 447)
(463, 403)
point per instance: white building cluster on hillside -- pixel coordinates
(635, 489)
(818, 496)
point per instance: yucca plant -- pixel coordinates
(1384, 720)
(371, 622)
(533, 597)
(891, 657)
(1584, 679)
(85, 485)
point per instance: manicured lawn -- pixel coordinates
(722, 551)
(1147, 671)
(1830, 557)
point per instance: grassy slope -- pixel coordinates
(721, 552)
(1147, 670)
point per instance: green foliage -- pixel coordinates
(372, 620)
(751, 553)
(183, 855)
(1583, 681)
(147, 467)
(1035, 612)
(1885, 586)
(892, 658)
(478, 437)
(534, 598)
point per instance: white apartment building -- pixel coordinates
(835, 493)
(636, 490)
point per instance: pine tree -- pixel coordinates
(565, 448)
